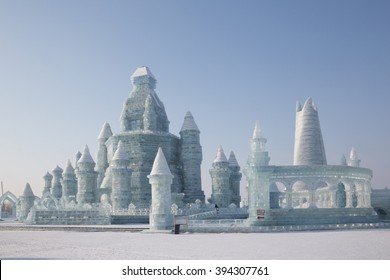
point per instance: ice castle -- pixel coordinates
(119, 187)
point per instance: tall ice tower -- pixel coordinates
(145, 128)
(309, 146)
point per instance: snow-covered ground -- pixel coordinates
(321, 245)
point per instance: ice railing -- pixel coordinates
(195, 210)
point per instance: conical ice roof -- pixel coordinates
(48, 176)
(86, 156)
(28, 191)
(220, 156)
(57, 170)
(257, 131)
(353, 154)
(160, 165)
(189, 123)
(106, 132)
(69, 168)
(232, 160)
(120, 153)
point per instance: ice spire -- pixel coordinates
(26, 202)
(257, 131)
(258, 155)
(160, 165)
(232, 160)
(191, 157)
(69, 168)
(120, 153)
(106, 132)
(189, 123)
(220, 156)
(309, 145)
(160, 178)
(86, 156)
(353, 158)
(28, 191)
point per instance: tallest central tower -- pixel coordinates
(309, 145)
(143, 110)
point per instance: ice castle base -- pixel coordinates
(294, 220)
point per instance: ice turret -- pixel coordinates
(48, 180)
(26, 202)
(102, 162)
(220, 180)
(160, 179)
(133, 114)
(258, 176)
(259, 155)
(57, 186)
(235, 179)
(121, 178)
(353, 160)
(191, 156)
(309, 146)
(69, 183)
(86, 178)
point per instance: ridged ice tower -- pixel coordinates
(309, 145)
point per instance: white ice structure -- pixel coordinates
(129, 183)
(160, 179)
(309, 145)
(311, 192)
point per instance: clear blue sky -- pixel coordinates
(65, 68)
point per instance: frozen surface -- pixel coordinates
(331, 245)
